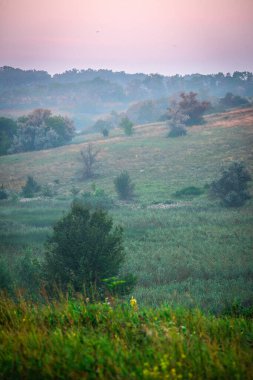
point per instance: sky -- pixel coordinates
(151, 36)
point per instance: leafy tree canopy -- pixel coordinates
(83, 250)
(41, 130)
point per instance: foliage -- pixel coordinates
(105, 132)
(28, 273)
(231, 100)
(193, 108)
(48, 191)
(8, 128)
(40, 130)
(102, 124)
(89, 161)
(231, 187)
(6, 280)
(3, 193)
(83, 250)
(74, 339)
(31, 188)
(124, 186)
(190, 191)
(176, 120)
(97, 198)
(147, 111)
(127, 126)
(119, 286)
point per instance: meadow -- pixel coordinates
(73, 339)
(184, 250)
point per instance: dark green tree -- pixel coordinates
(230, 100)
(31, 188)
(124, 186)
(232, 187)
(127, 126)
(84, 249)
(8, 128)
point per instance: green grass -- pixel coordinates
(76, 340)
(192, 252)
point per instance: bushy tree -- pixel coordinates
(232, 187)
(194, 109)
(124, 186)
(176, 120)
(127, 126)
(89, 161)
(41, 130)
(3, 193)
(230, 100)
(84, 249)
(105, 132)
(8, 128)
(31, 188)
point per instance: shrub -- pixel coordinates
(176, 120)
(31, 188)
(8, 128)
(48, 191)
(97, 198)
(190, 191)
(3, 193)
(127, 126)
(28, 273)
(6, 282)
(177, 131)
(83, 250)
(124, 186)
(231, 187)
(105, 132)
(230, 100)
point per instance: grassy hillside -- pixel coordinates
(184, 250)
(76, 340)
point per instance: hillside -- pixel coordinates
(184, 250)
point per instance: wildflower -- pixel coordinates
(133, 303)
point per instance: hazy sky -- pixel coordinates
(165, 36)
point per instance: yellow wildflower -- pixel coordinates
(133, 303)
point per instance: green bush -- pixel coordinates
(97, 199)
(190, 191)
(83, 250)
(3, 193)
(177, 131)
(124, 186)
(31, 188)
(127, 126)
(6, 281)
(28, 273)
(232, 187)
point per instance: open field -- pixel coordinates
(188, 251)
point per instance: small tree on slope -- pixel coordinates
(84, 249)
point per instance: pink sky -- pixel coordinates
(165, 36)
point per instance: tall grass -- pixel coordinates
(73, 339)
